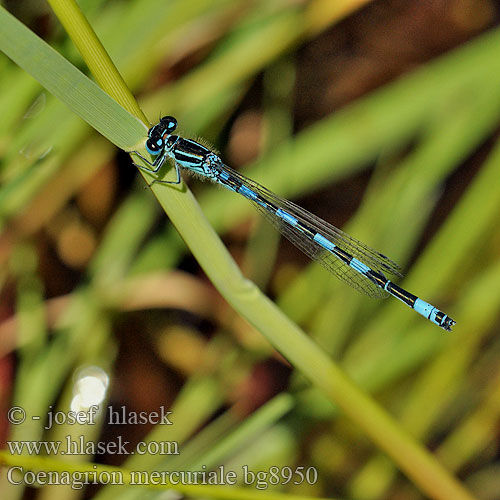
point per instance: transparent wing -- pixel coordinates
(375, 260)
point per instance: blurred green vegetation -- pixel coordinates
(88, 261)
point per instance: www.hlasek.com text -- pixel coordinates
(79, 445)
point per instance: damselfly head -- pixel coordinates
(168, 123)
(158, 135)
(155, 143)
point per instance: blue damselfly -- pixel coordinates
(347, 258)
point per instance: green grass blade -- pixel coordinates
(69, 84)
(95, 55)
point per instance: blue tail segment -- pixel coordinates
(348, 259)
(427, 310)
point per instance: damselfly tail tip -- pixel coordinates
(448, 323)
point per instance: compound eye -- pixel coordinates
(169, 122)
(154, 146)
